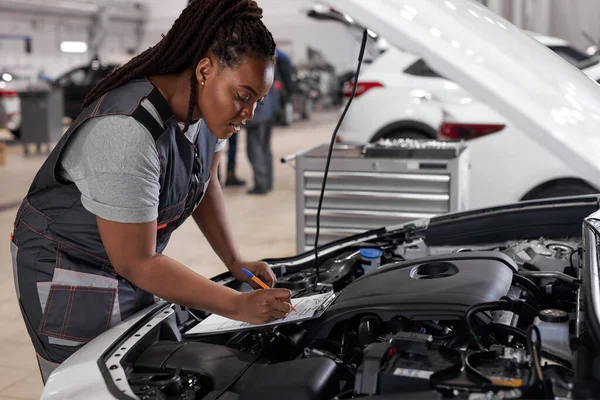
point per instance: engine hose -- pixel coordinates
(491, 306)
(530, 287)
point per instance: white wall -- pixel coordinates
(565, 19)
(47, 32)
(288, 22)
(286, 19)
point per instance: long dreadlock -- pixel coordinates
(230, 29)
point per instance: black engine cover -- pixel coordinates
(441, 287)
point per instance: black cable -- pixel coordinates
(529, 286)
(477, 308)
(360, 59)
(571, 258)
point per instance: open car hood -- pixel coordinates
(550, 100)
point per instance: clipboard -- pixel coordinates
(307, 308)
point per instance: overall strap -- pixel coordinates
(143, 116)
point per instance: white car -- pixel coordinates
(400, 96)
(419, 326)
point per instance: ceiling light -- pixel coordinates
(73, 47)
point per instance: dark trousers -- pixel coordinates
(259, 154)
(231, 152)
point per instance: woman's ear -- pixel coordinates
(203, 69)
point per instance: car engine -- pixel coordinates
(493, 321)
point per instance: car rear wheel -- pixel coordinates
(562, 190)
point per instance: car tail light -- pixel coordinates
(455, 131)
(8, 93)
(361, 88)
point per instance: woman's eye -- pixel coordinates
(243, 99)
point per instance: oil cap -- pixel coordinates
(553, 316)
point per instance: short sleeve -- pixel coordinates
(220, 145)
(114, 163)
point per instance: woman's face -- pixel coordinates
(229, 95)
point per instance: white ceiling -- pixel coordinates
(162, 11)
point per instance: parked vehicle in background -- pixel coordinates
(78, 82)
(396, 86)
(296, 91)
(400, 96)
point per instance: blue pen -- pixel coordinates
(258, 281)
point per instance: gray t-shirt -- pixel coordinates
(114, 162)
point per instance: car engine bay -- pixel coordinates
(486, 321)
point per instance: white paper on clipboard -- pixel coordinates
(306, 308)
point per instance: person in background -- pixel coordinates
(259, 142)
(283, 68)
(232, 179)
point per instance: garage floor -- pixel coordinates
(264, 226)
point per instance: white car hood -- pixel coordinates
(547, 98)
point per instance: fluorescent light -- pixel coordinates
(73, 47)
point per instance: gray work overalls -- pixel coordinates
(68, 290)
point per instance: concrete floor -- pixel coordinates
(263, 226)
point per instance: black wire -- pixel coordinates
(571, 258)
(529, 286)
(360, 59)
(491, 306)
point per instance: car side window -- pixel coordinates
(74, 78)
(99, 74)
(570, 54)
(420, 68)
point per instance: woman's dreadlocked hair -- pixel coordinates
(230, 29)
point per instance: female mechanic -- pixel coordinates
(88, 238)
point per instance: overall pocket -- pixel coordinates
(80, 302)
(77, 313)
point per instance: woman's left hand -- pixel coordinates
(258, 268)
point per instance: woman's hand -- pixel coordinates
(263, 306)
(258, 268)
